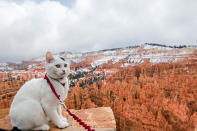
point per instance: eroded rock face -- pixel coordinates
(147, 97)
(8, 91)
(101, 119)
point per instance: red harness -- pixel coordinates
(69, 112)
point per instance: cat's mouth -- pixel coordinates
(63, 73)
(59, 75)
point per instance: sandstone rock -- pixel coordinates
(100, 119)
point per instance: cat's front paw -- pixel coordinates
(63, 124)
(44, 127)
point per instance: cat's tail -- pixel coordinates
(15, 129)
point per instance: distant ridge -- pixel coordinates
(162, 45)
(131, 55)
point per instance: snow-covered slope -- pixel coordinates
(129, 56)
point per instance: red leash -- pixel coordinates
(69, 112)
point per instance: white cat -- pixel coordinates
(35, 103)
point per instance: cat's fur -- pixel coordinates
(35, 104)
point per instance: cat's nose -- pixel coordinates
(63, 71)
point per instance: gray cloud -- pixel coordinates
(29, 28)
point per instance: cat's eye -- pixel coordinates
(58, 66)
(65, 65)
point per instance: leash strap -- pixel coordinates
(63, 104)
(52, 88)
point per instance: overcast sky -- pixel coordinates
(28, 28)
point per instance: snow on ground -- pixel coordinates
(77, 60)
(109, 52)
(101, 61)
(156, 47)
(3, 64)
(105, 59)
(132, 62)
(115, 56)
(83, 70)
(156, 58)
(5, 67)
(72, 72)
(32, 66)
(97, 72)
(164, 60)
(134, 58)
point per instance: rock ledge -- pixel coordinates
(100, 119)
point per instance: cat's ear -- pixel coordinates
(49, 57)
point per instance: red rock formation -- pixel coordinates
(8, 91)
(146, 97)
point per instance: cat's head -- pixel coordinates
(56, 67)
